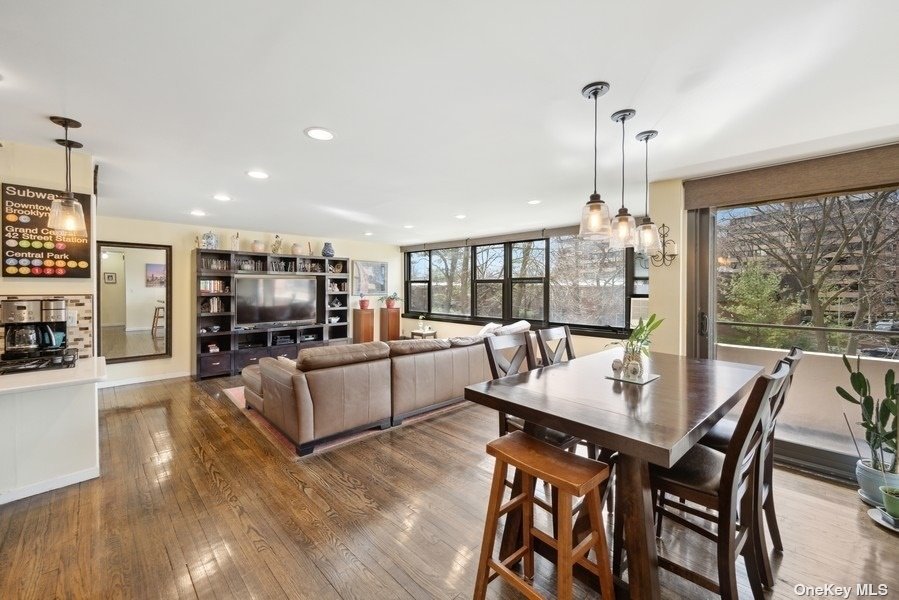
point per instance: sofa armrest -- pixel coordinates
(287, 403)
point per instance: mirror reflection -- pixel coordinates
(134, 293)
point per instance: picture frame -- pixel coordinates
(155, 275)
(109, 278)
(369, 278)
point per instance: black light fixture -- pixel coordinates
(624, 226)
(595, 215)
(648, 241)
(66, 212)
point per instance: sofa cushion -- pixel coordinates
(470, 340)
(404, 347)
(323, 357)
(516, 327)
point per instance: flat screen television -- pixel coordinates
(261, 299)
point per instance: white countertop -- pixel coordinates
(86, 370)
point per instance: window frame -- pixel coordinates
(507, 281)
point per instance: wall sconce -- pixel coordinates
(668, 253)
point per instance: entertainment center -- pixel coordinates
(249, 305)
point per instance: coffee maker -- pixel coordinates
(33, 328)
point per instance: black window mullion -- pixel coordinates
(472, 274)
(507, 281)
(546, 280)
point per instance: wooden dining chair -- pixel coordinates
(723, 489)
(564, 348)
(719, 438)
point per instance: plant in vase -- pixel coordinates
(390, 300)
(881, 425)
(363, 301)
(637, 345)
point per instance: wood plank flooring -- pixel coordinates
(194, 502)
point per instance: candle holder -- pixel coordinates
(668, 253)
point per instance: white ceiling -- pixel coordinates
(438, 108)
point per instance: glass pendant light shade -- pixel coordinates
(67, 216)
(595, 220)
(624, 230)
(648, 242)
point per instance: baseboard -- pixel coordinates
(50, 484)
(141, 379)
(138, 328)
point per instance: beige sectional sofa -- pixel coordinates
(335, 390)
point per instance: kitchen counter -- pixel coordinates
(49, 428)
(86, 370)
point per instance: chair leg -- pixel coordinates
(760, 549)
(592, 451)
(554, 494)
(527, 524)
(727, 575)
(490, 524)
(617, 544)
(606, 584)
(565, 568)
(753, 569)
(660, 513)
(771, 517)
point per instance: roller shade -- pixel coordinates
(839, 173)
(494, 239)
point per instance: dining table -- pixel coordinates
(645, 423)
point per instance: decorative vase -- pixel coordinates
(297, 249)
(890, 497)
(258, 246)
(634, 354)
(276, 245)
(363, 303)
(210, 241)
(327, 250)
(235, 242)
(870, 480)
(390, 303)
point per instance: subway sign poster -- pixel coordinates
(30, 248)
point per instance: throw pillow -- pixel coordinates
(488, 329)
(516, 327)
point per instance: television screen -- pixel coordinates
(275, 300)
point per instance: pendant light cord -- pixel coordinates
(622, 162)
(68, 163)
(595, 134)
(646, 179)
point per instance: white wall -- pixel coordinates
(112, 295)
(182, 238)
(141, 301)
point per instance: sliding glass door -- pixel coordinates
(820, 274)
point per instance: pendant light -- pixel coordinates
(648, 241)
(66, 212)
(595, 215)
(624, 228)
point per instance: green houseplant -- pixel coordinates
(390, 300)
(637, 344)
(880, 423)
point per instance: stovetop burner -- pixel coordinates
(63, 360)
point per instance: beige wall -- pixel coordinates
(667, 285)
(112, 295)
(182, 238)
(44, 166)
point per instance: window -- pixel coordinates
(419, 279)
(587, 283)
(451, 281)
(551, 280)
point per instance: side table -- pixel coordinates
(417, 333)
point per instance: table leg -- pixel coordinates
(635, 504)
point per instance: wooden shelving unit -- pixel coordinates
(213, 289)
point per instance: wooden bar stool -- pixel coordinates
(158, 315)
(573, 476)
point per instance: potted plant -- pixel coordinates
(890, 500)
(421, 322)
(637, 344)
(363, 301)
(881, 424)
(390, 300)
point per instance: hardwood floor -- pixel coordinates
(194, 502)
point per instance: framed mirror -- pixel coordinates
(134, 297)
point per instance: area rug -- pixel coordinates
(287, 448)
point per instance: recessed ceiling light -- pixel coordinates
(533, 202)
(368, 233)
(408, 226)
(258, 174)
(319, 133)
(198, 213)
(222, 197)
(460, 216)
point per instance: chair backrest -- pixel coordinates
(792, 360)
(562, 335)
(742, 461)
(499, 346)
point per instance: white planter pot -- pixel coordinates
(870, 480)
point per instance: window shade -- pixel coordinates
(840, 173)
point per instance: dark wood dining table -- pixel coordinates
(656, 423)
